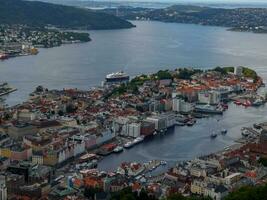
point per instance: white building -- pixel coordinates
(209, 97)
(163, 121)
(171, 119)
(179, 105)
(127, 126)
(238, 71)
(26, 115)
(159, 121)
(133, 129)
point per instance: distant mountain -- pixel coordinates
(40, 14)
(238, 19)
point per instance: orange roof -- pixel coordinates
(136, 186)
(92, 182)
(251, 174)
(77, 182)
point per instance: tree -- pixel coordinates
(70, 108)
(249, 193)
(263, 161)
(163, 74)
(60, 113)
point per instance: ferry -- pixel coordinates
(118, 149)
(116, 78)
(207, 109)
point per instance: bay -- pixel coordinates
(149, 47)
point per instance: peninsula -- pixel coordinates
(28, 25)
(238, 19)
(54, 141)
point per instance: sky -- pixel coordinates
(211, 1)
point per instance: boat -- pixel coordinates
(128, 145)
(224, 131)
(116, 78)
(138, 140)
(224, 105)
(197, 115)
(245, 132)
(163, 162)
(118, 149)
(208, 109)
(177, 123)
(237, 102)
(257, 126)
(190, 123)
(258, 102)
(3, 56)
(213, 135)
(246, 103)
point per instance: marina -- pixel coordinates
(184, 143)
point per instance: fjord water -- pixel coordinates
(147, 48)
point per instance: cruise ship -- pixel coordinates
(117, 78)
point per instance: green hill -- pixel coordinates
(36, 13)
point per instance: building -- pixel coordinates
(16, 152)
(198, 187)
(216, 192)
(179, 105)
(147, 128)
(18, 130)
(209, 97)
(3, 188)
(134, 129)
(25, 115)
(238, 71)
(160, 121)
(233, 178)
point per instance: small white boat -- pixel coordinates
(224, 131)
(118, 149)
(128, 145)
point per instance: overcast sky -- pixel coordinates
(221, 1)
